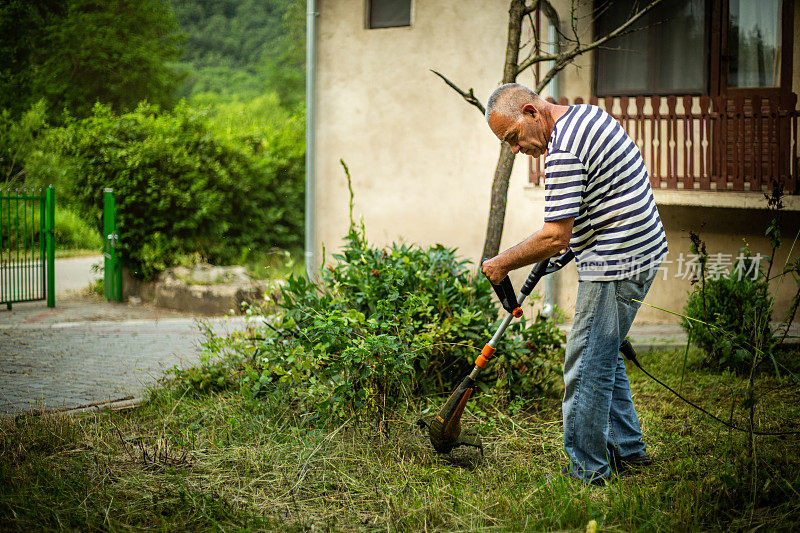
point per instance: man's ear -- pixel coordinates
(530, 110)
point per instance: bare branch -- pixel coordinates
(537, 46)
(468, 96)
(534, 40)
(558, 67)
(567, 57)
(600, 11)
(573, 20)
(537, 59)
(616, 49)
(617, 32)
(552, 16)
(535, 31)
(526, 43)
(515, 18)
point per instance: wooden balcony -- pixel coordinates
(707, 143)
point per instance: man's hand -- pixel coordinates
(494, 270)
(551, 239)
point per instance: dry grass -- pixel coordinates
(185, 462)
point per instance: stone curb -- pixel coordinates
(119, 404)
(113, 405)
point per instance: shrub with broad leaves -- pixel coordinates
(385, 325)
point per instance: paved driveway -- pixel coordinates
(87, 351)
(75, 273)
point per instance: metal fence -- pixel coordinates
(27, 247)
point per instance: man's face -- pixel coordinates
(526, 134)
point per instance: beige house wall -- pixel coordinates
(422, 159)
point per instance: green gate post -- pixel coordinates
(50, 236)
(43, 240)
(113, 271)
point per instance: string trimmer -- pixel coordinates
(445, 428)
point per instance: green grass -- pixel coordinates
(65, 253)
(73, 233)
(219, 461)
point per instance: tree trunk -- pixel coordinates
(505, 163)
(515, 14)
(497, 208)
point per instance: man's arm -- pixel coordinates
(543, 244)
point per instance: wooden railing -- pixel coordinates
(708, 143)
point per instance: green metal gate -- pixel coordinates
(27, 246)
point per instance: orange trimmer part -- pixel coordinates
(483, 358)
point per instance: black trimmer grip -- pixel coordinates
(505, 293)
(543, 268)
(533, 278)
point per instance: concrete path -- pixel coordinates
(75, 273)
(88, 351)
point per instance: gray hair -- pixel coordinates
(509, 99)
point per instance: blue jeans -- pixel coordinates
(599, 417)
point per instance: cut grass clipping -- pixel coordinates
(189, 461)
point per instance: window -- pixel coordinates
(666, 54)
(754, 44)
(389, 13)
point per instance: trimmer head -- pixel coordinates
(444, 429)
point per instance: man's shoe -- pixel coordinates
(619, 463)
(636, 461)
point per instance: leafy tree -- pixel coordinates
(244, 48)
(287, 63)
(22, 25)
(78, 52)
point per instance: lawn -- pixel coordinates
(218, 461)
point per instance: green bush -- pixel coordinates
(73, 233)
(182, 187)
(383, 326)
(737, 312)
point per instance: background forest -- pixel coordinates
(191, 110)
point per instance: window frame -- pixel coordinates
(368, 17)
(719, 62)
(717, 66)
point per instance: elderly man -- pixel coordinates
(598, 202)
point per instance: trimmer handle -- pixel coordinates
(559, 262)
(543, 268)
(507, 296)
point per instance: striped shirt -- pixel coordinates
(595, 174)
